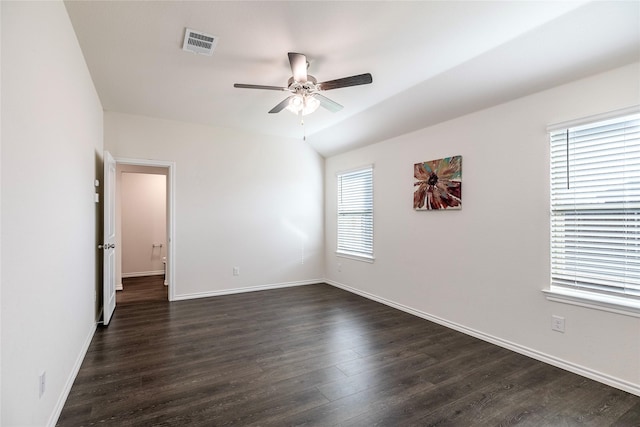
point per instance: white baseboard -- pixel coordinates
(143, 273)
(246, 289)
(57, 410)
(543, 357)
(119, 287)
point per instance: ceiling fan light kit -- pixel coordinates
(302, 104)
(304, 88)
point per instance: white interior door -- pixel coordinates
(109, 244)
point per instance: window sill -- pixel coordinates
(356, 257)
(610, 303)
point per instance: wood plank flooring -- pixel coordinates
(140, 290)
(319, 356)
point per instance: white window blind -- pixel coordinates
(595, 207)
(355, 213)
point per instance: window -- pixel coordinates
(595, 209)
(355, 213)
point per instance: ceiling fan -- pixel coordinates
(304, 88)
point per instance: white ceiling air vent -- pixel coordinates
(198, 42)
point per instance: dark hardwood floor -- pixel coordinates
(142, 290)
(316, 355)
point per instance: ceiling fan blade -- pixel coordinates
(281, 106)
(298, 67)
(245, 86)
(328, 103)
(360, 79)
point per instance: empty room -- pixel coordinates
(245, 213)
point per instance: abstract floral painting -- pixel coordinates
(438, 184)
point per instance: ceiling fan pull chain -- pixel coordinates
(304, 130)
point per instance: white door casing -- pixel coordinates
(109, 244)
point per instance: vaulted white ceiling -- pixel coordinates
(430, 60)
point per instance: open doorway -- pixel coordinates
(144, 226)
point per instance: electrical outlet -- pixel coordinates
(236, 271)
(339, 267)
(42, 382)
(557, 323)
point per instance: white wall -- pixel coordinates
(144, 223)
(241, 200)
(0, 220)
(51, 146)
(482, 268)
